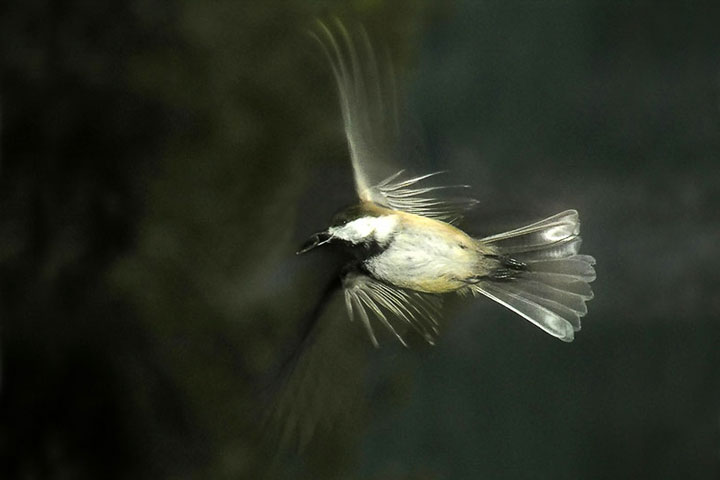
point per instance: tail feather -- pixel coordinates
(546, 319)
(564, 283)
(579, 267)
(552, 288)
(557, 230)
(550, 295)
(562, 250)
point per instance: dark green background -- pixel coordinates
(161, 162)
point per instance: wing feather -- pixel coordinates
(406, 195)
(369, 106)
(368, 103)
(364, 295)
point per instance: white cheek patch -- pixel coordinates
(360, 228)
(377, 228)
(384, 227)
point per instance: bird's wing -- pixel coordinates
(369, 104)
(365, 297)
(313, 389)
(317, 389)
(368, 101)
(407, 195)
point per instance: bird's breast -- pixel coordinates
(428, 256)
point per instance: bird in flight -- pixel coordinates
(407, 250)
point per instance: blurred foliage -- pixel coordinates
(161, 162)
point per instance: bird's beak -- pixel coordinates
(316, 240)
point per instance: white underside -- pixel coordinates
(417, 256)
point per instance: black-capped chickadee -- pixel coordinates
(407, 249)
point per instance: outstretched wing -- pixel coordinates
(368, 101)
(404, 194)
(365, 296)
(369, 105)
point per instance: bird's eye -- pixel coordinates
(340, 220)
(344, 216)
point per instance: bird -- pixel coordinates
(406, 250)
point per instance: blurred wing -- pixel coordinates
(365, 295)
(318, 389)
(368, 101)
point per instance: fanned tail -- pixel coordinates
(541, 276)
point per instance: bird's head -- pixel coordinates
(359, 225)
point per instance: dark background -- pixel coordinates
(162, 161)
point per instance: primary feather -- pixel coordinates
(403, 194)
(417, 310)
(368, 103)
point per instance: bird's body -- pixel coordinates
(428, 256)
(416, 252)
(406, 245)
(406, 248)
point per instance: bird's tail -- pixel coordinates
(540, 274)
